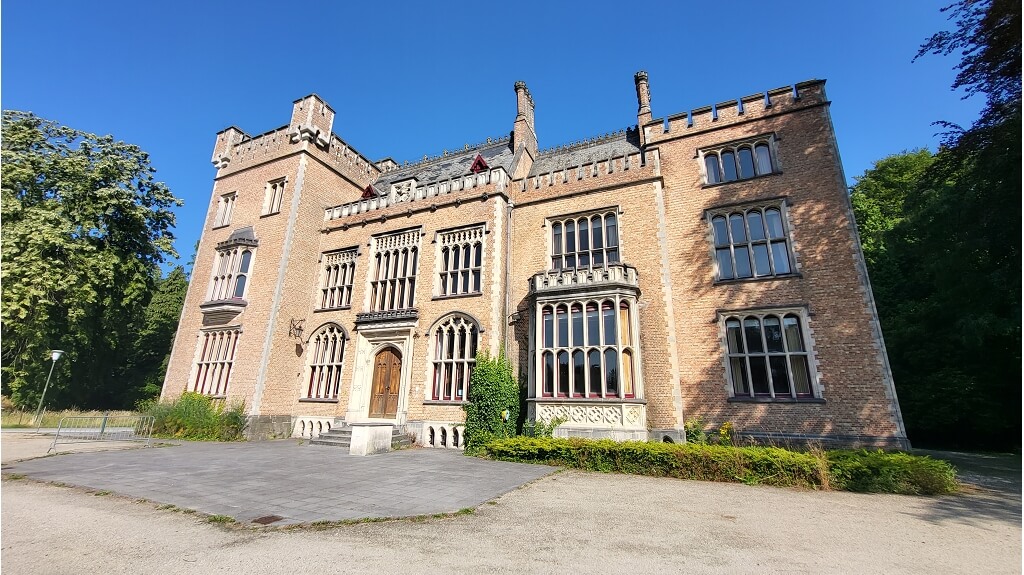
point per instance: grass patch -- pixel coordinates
(101, 493)
(850, 470)
(17, 419)
(14, 476)
(222, 519)
(197, 417)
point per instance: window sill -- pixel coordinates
(795, 275)
(344, 307)
(741, 180)
(317, 400)
(815, 400)
(275, 213)
(458, 296)
(220, 226)
(444, 402)
(588, 400)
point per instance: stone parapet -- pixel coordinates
(588, 279)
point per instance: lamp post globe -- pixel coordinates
(54, 356)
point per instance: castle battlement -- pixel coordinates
(731, 112)
(587, 171)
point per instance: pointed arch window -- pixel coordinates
(585, 241)
(454, 356)
(768, 355)
(395, 264)
(739, 160)
(460, 261)
(231, 273)
(326, 359)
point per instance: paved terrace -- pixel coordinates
(300, 483)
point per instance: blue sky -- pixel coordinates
(414, 78)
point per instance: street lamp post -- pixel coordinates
(54, 355)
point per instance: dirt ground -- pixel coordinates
(567, 522)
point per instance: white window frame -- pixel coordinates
(391, 281)
(325, 363)
(561, 257)
(227, 272)
(734, 146)
(215, 355)
(450, 376)
(745, 355)
(337, 277)
(623, 346)
(225, 207)
(459, 261)
(273, 196)
(769, 240)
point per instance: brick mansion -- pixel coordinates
(701, 265)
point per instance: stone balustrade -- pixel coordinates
(614, 275)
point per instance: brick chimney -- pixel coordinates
(643, 98)
(524, 136)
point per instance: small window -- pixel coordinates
(231, 273)
(273, 196)
(225, 206)
(740, 161)
(585, 242)
(337, 274)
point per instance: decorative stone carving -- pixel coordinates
(595, 415)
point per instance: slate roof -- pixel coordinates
(614, 146)
(496, 154)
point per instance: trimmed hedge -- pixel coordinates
(860, 470)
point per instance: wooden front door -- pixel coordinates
(387, 380)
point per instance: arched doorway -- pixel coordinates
(387, 381)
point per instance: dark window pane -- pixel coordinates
(584, 260)
(556, 239)
(746, 163)
(611, 229)
(593, 325)
(761, 264)
(240, 286)
(711, 163)
(801, 375)
(563, 373)
(755, 225)
(563, 326)
(611, 372)
(243, 267)
(597, 232)
(594, 366)
(752, 334)
(773, 334)
(725, 271)
(570, 237)
(742, 262)
(728, 166)
(739, 232)
(584, 235)
(598, 258)
(549, 373)
(780, 375)
(759, 375)
(609, 323)
(794, 341)
(478, 254)
(721, 231)
(577, 325)
(456, 260)
(781, 256)
(732, 331)
(476, 280)
(764, 159)
(613, 256)
(739, 376)
(570, 261)
(579, 383)
(549, 328)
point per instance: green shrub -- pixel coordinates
(852, 470)
(492, 408)
(890, 472)
(694, 429)
(196, 416)
(541, 429)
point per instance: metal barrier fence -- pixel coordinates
(103, 428)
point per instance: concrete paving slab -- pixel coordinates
(298, 482)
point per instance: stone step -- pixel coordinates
(335, 442)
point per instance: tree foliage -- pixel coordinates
(941, 235)
(85, 227)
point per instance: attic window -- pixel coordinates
(479, 165)
(368, 193)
